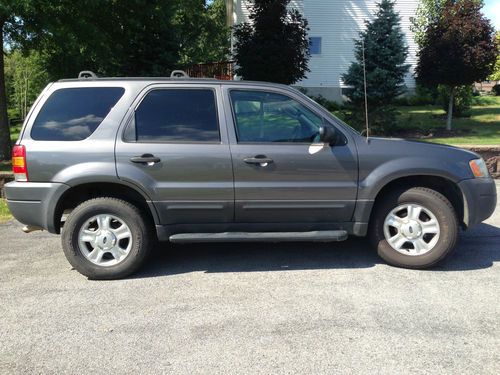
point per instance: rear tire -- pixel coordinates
(106, 238)
(414, 228)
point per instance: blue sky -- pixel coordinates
(492, 11)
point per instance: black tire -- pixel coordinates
(141, 236)
(438, 205)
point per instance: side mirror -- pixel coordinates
(328, 135)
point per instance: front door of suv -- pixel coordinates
(281, 173)
(175, 148)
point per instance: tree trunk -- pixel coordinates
(450, 108)
(5, 144)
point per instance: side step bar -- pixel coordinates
(314, 236)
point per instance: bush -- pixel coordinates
(382, 120)
(328, 104)
(461, 103)
(496, 90)
(422, 96)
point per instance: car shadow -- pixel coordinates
(477, 249)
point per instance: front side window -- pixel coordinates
(176, 115)
(262, 116)
(73, 114)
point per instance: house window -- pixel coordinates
(315, 45)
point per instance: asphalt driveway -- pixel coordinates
(251, 308)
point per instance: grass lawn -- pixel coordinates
(4, 212)
(483, 124)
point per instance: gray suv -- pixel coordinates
(117, 164)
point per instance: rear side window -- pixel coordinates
(74, 114)
(176, 115)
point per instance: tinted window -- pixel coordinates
(74, 114)
(177, 115)
(269, 117)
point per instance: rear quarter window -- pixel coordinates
(73, 114)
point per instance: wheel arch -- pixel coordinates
(443, 185)
(85, 191)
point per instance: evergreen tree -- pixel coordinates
(274, 46)
(458, 49)
(385, 55)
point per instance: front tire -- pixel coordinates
(414, 228)
(106, 238)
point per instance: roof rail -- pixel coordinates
(86, 74)
(178, 74)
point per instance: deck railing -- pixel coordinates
(218, 70)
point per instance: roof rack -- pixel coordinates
(86, 74)
(178, 74)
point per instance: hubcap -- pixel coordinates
(105, 240)
(411, 229)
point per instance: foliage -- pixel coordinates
(385, 53)
(328, 104)
(462, 99)
(274, 47)
(428, 12)
(457, 49)
(25, 77)
(496, 89)
(5, 214)
(115, 38)
(495, 76)
(202, 30)
(423, 96)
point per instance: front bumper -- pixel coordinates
(480, 199)
(34, 203)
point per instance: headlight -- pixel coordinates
(478, 168)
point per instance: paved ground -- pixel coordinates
(255, 309)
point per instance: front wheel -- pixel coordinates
(106, 238)
(414, 228)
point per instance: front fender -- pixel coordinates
(372, 182)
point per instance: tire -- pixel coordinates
(413, 253)
(115, 229)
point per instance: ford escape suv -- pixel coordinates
(116, 164)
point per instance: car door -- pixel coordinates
(281, 172)
(175, 148)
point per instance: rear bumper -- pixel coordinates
(480, 199)
(34, 203)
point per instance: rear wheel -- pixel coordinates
(414, 228)
(106, 238)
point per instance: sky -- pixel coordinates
(492, 11)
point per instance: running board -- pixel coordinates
(314, 236)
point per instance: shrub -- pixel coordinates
(496, 90)
(328, 104)
(462, 100)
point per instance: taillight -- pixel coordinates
(19, 163)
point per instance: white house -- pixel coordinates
(334, 24)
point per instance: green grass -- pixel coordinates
(5, 214)
(14, 135)
(481, 128)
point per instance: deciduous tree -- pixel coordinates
(457, 49)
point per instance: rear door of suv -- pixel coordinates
(175, 147)
(281, 173)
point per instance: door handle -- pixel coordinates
(261, 160)
(145, 158)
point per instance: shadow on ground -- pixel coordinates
(477, 249)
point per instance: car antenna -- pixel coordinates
(364, 84)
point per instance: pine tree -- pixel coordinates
(274, 46)
(385, 55)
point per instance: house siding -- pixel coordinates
(338, 23)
